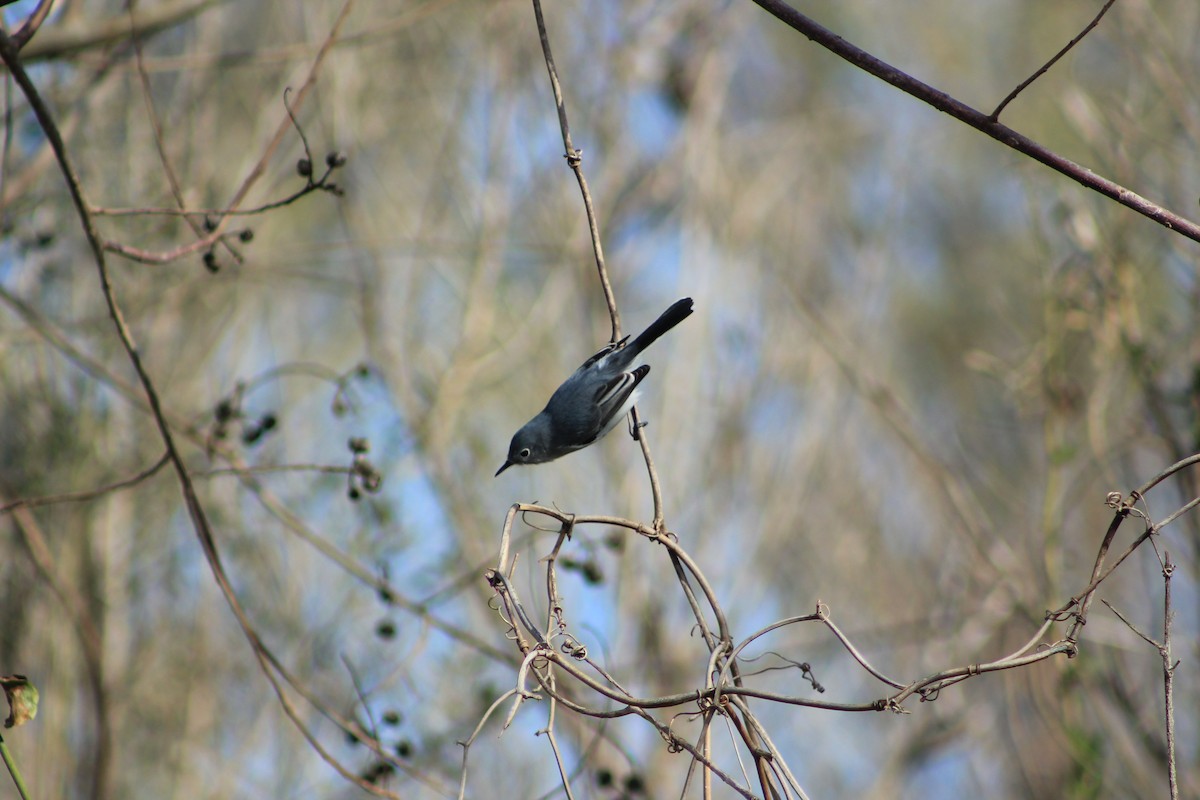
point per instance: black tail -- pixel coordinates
(677, 313)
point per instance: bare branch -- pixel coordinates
(1046, 67)
(978, 120)
(575, 162)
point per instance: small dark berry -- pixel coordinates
(377, 772)
(224, 410)
(268, 421)
(359, 444)
(251, 434)
(247, 235)
(335, 159)
(304, 167)
(604, 778)
(391, 717)
(404, 748)
(354, 493)
(364, 371)
(372, 481)
(634, 783)
(351, 738)
(210, 261)
(210, 223)
(385, 629)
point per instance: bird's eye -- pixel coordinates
(524, 452)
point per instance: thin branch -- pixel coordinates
(1131, 626)
(256, 172)
(470, 740)
(32, 23)
(655, 488)
(65, 40)
(91, 494)
(1169, 677)
(575, 161)
(977, 119)
(195, 509)
(558, 759)
(167, 256)
(857, 656)
(678, 743)
(1046, 67)
(155, 122)
(1084, 598)
(362, 697)
(971, 670)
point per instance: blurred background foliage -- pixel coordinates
(919, 362)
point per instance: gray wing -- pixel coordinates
(614, 398)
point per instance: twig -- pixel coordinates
(778, 763)
(270, 469)
(1084, 598)
(1146, 638)
(32, 23)
(850, 648)
(256, 172)
(76, 497)
(160, 144)
(362, 697)
(678, 743)
(196, 512)
(60, 41)
(11, 763)
(977, 669)
(1164, 651)
(575, 162)
(143, 256)
(470, 740)
(350, 726)
(977, 119)
(562, 768)
(1169, 677)
(1046, 67)
(655, 487)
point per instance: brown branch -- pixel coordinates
(1046, 67)
(1169, 676)
(575, 162)
(196, 512)
(256, 172)
(32, 23)
(62, 41)
(977, 119)
(167, 256)
(91, 494)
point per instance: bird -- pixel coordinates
(593, 399)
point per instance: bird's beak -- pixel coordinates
(505, 466)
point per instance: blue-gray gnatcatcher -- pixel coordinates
(593, 400)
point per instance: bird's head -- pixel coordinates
(530, 445)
